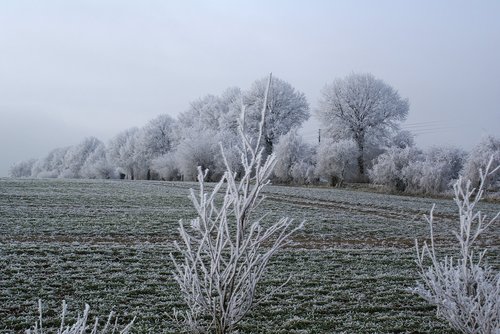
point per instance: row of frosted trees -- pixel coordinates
(361, 141)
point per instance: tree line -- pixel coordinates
(362, 141)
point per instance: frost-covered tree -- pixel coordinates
(200, 128)
(287, 109)
(464, 289)
(293, 158)
(121, 152)
(231, 101)
(52, 165)
(154, 140)
(403, 139)
(200, 149)
(77, 155)
(87, 159)
(225, 250)
(335, 161)
(97, 165)
(489, 147)
(22, 168)
(203, 113)
(211, 112)
(362, 108)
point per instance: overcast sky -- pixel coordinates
(72, 69)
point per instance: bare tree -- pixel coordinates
(225, 250)
(362, 108)
(466, 292)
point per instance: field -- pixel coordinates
(107, 243)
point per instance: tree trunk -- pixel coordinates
(268, 146)
(361, 164)
(334, 180)
(360, 140)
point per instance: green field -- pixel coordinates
(107, 243)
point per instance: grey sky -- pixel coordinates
(71, 69)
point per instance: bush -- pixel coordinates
(466, 293)
(225, 250)
(22, 168)
(336, 161)
(410, 170)
(388, 169)
(293, 159)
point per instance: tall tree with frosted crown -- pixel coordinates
(287, 108)
(363, 108)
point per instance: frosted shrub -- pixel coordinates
(165, 167)
(293, 158)
(465, 291)
(81, 325)
(434, 174)
(388, 167)
(335, 161)
(22, 168)
(225, 250)
(197, 149)
(410, 170)
(302, 172)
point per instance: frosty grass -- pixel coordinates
(106, 243)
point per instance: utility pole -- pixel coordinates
(319, 136)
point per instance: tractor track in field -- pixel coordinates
(373, 210)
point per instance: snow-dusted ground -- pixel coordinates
(107, 243)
